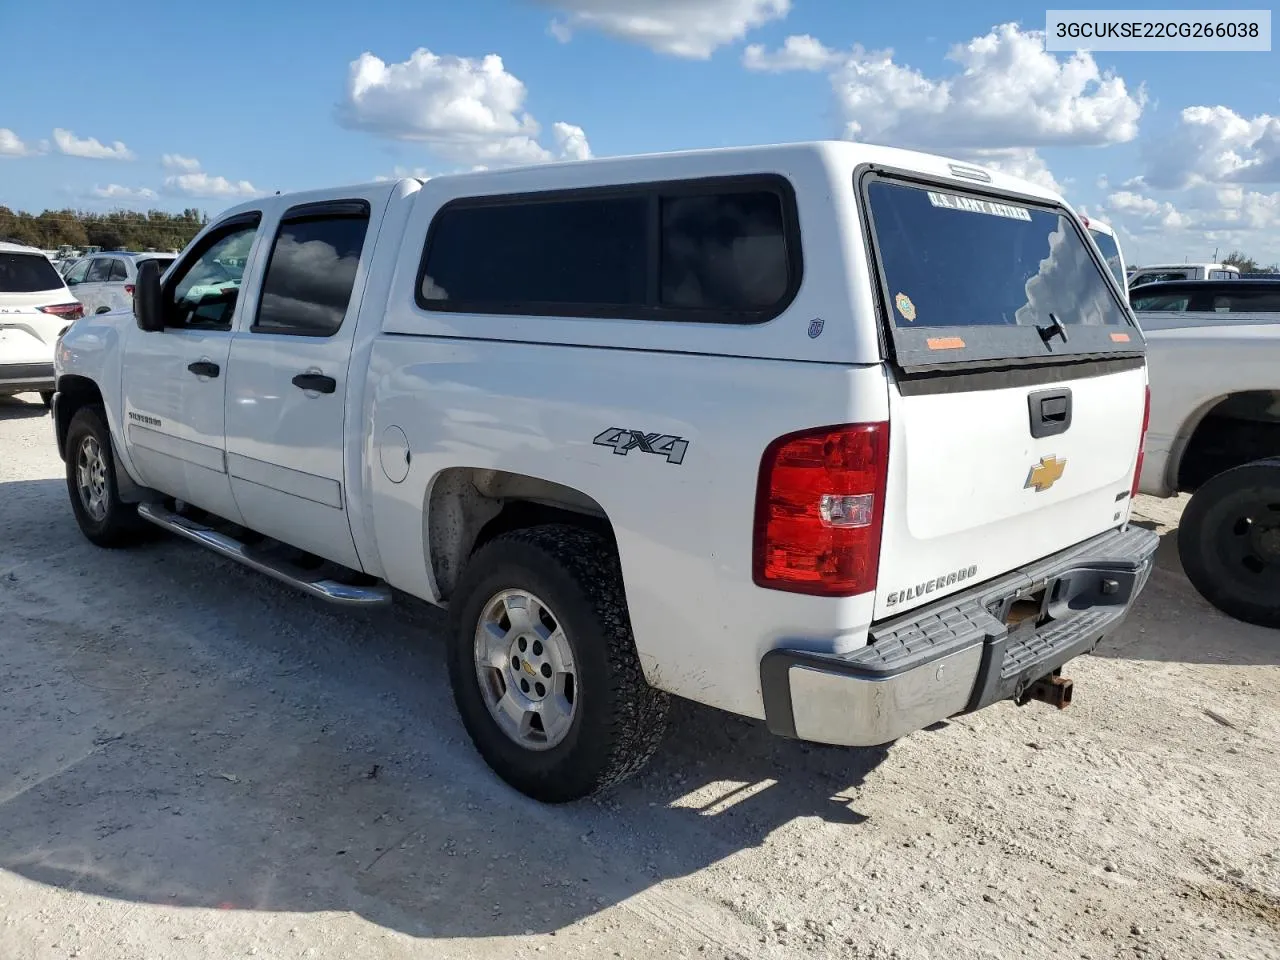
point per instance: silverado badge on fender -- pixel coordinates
(1045, 474)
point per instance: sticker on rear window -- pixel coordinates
(971, 205)
(905, 307)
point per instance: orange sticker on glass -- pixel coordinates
(905, 307)
(945, 343)
(1119, 338)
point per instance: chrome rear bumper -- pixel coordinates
(958, 655)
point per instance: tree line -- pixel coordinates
(119, 230)
(1247, 264)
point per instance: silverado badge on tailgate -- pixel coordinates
(1045, 474)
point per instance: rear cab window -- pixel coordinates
(27, 273)
(970, 278)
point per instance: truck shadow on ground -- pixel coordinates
(1172, 622)
(22, 407)
(183, 732)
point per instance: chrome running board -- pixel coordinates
(307, 581)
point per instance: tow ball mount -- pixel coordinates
(1054, 689)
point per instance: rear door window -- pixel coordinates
(980, 278)
(119, 271)
(100, 270)
(27, 273)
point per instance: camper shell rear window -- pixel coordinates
(989, 279)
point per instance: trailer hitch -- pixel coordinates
(1053, 689)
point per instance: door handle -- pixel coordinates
(315, 381)
(1050, 412)
(203, 368)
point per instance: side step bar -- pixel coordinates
(330, 590)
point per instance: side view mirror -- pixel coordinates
(148, 302)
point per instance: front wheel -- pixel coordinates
(91, 484)
(544, 668)
(46, 397)
(1229, 542)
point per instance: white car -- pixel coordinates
(836, 436)
(105, 281)
(35, 308)
(1162, 273)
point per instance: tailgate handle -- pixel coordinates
(1050, 412)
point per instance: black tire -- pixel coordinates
(120, 525)
(46, 397)
(618, 719)
(1229, 542)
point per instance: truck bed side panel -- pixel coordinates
(684, 529)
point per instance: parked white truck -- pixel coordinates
(1214, 357)
(836, 436)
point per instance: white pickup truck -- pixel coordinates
(1214, 355)
(839, 437)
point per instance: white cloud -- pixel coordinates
(468, 111)
(1146, 212)
(796, 53)
(1215, 145)
(1016, 162)
(11, 145)
(176, 161)
(681, 28)
(113, 191)
(399, 173)
(1010, 92)
(571, 141)
(212, 188)
(560, 30)
(89, 148)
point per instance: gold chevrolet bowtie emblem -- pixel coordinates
(528, 668)
(1045, 474)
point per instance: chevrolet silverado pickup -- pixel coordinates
(835, 436)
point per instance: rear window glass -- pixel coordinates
(1248, 301)
(555, 252)
(667, 251)
(1162, 302)
(27, 273)
(1110, 252)
(956, 261)
(723, 251)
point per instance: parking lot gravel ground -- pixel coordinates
(197, 762)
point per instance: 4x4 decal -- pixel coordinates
(624, 441)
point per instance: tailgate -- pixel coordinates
(1017, 411)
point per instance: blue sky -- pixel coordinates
(176, 105)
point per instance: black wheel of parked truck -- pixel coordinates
(91, 483)
(1229, 542)
(543, 666)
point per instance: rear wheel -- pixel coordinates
(543, 666)
(1229, 542)
(91, 483)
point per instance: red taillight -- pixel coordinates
(128, 288)
(819, 510)
(68, 311)
(1142, 445)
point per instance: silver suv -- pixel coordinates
(104, 281)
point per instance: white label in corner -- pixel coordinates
(971, 205)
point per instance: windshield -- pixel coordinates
(1004, 280)
(1110, 253)
(27, 273)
